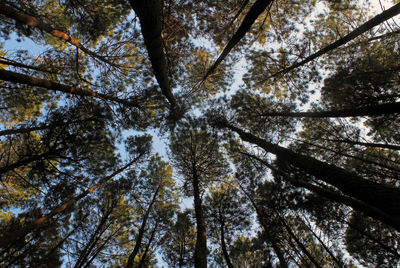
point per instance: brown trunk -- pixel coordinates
(373, 110)
(34, 22)
(385, 15)
(38, 82)
(142, 229)
(21, 233)
(377, 195)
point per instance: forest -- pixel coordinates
(188, 133)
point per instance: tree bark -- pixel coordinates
(150, 17)
(34, 22)
(385, 15)
(38, 82)
(379, 196)
(21, 233)
(373, 110)
(142, 229)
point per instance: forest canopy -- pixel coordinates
(186, 133)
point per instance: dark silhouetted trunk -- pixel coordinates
(142, 229)
(378, 196)
(368, 144)
(298, 242)
(385, 15)
(200, 252)
(258, 7)
(150, 17)
(373, 110)
(146, 251)
(223, 243)
(38, 82)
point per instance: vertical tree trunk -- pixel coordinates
(200, 252)
(223, 243)
(142, 229)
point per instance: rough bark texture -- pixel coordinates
(34, 22)
(385, 15)
(38, 82)
(373, 110)
(378, 196)
(150, 17)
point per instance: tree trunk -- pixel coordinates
(200, 252)
(34, 22)
(150, 17)
(21, 65)
(298, 242)
(377, 195)
(8, 239)
(144, 256)
(373, 110)
(257, 8)
(323, 244)
(142, 229)
(52, 153)
(368, 144)
(223, 243)
(385, 15)
(38, 82)
(22, 130)
(95, 237)
(270, 238)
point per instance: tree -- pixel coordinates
(197, 157)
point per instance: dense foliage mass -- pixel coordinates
(280, 120)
